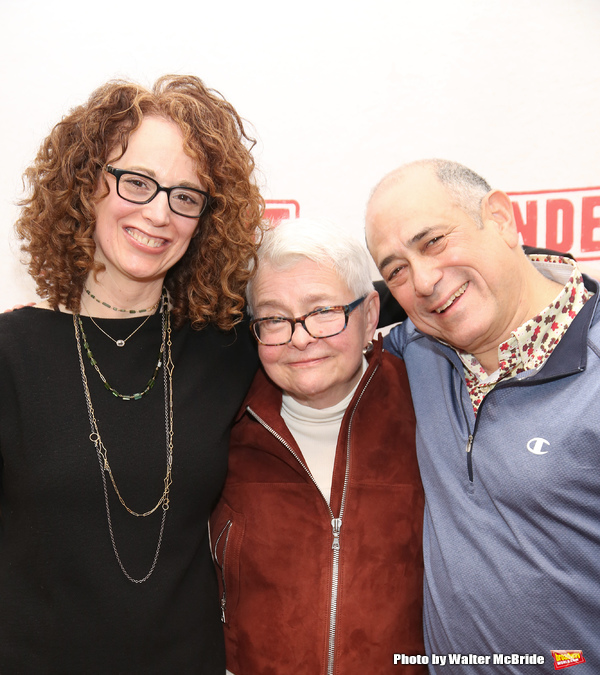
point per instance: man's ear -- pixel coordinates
(497, 210)
(372, 314)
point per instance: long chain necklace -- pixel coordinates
(118, 309)
(119, 343)
(126, 397)
(101, 451)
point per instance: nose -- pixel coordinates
(301, 338)
(158, 210)
(425, 275)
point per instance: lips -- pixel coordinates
(452, 298)
(307, 362)
(152, 242)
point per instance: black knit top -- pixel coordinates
(65, 605)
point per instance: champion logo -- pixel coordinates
(536, 446)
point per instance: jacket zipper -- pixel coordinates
(470, 457)
(336, 523)
(221, 565)
(471, 436)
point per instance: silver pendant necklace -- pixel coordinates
(120, 342)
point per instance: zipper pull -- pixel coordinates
(470, 458)
(223, 605)
(336, 525)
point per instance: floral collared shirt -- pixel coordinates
(530, 346)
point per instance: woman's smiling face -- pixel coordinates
(141, 242)
(318, 372)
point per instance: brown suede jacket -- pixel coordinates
(311, 589)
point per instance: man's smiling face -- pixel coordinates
(451, 275)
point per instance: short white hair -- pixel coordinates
(291, 241)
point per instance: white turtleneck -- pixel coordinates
(316, 431)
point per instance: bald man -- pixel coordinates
(503, 356)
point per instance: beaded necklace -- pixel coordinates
(118, 309)
(101, 451)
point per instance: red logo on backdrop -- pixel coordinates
(562, 220)
(281, 210)
(564, 658)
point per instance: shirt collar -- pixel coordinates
(530, 345)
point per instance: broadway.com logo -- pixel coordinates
(564, 658)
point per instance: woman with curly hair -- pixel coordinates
(118, 390)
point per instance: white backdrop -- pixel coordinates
(337, 93)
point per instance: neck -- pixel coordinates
(537, 293)
(132, 297)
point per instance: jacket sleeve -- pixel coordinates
(396, 340)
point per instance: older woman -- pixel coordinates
(114, 412)
(317, 537)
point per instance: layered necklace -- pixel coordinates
(95, 438)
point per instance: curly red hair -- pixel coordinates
(57, 220)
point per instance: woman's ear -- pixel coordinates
(497, 210)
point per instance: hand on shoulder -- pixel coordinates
(29, 304)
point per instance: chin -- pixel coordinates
(308, 392)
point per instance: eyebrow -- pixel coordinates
(386, 261)
(152, 174)
(414, 240)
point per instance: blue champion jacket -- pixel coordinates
(512, 514)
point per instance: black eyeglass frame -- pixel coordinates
(117, 173)
(347, 309)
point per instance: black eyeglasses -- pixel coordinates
(137, 188)
(320, 323)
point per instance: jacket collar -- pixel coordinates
(570, 354)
